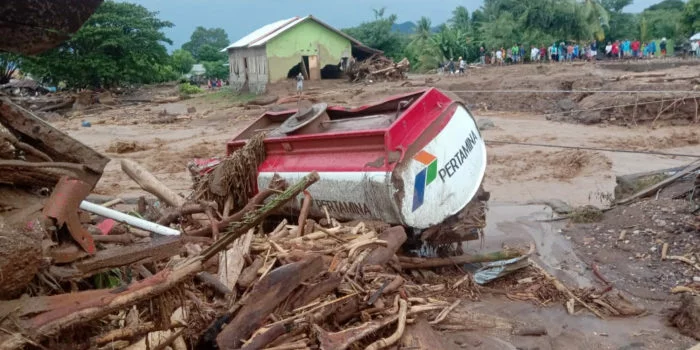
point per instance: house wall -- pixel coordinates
(257, 69)
(307, 38)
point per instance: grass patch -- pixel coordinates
(586, 215)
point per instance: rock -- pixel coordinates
(588, 118)
(485, 124)
(173, 109)
(566, 105)
(82, 101)
(263, 100)
(191, 110)
(106, 98)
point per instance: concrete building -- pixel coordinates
(282, 49)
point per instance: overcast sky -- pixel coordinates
(239, 17)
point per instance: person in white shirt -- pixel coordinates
(499, 57)
(695, 48)
(462, 65)
(534, 54)
(608, 49)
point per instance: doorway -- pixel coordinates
(313, 66)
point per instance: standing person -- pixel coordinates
(521, 53)
(209, 84)
(493, 57)
(608, 50)
(300, 84)
(615, 51)
(562, 51)
(482, 55)
(663, 47)
(499, 57)
(462, 65)
(576, 52)
(451, 66)
(534, 54)
(635, 48)
(569, 52)
(514, 53)
(594, 48)
(553, 53)
(626, 47)
(652, 49)
(695, 48)
(543, 53)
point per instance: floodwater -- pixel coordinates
(516, 226)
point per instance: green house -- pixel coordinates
(283, 49)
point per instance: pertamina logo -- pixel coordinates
(424, 177)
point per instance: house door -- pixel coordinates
(314, 68)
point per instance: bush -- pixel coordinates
(189, 89)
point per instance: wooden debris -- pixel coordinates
(424, 263)
(269, 292)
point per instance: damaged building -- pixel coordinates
(283, 49)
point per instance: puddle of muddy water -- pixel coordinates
(517, 225)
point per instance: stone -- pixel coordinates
(485, 124)
(566, 104)
(174, 109)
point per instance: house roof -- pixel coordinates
(262, 35)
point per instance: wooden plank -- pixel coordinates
(651, 189)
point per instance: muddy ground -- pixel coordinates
(517, 176)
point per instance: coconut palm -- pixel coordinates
(596, 16)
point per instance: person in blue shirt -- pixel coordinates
(576, 52)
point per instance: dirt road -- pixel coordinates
(516, 175)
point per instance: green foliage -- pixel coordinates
(378, 34)
(109, 279)
(189, 89)
(216, 70)
(182, 61)
(690, 20)
(615, 5)
(121, 43)
(460, 19)
(667, 5)
(205, 44)
(663, 20)
(8, 65)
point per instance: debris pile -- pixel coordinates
(378, 68)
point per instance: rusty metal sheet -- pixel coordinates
(63, 207)
(34, 26)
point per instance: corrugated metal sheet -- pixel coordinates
(259, 33)
(267, 32)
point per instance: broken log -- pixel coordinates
(651, 189)
(395, 237)
(150, 183)
(250, 273)
(20, 258)
(251, 219)
(231, 261)
(687, 317)
(268, 293)
(255, 202)
(265, 337)
(424, 263)
(117, 257)
(343, 339)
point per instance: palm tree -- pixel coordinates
(460, 18)
(596, 16)
(423, 29)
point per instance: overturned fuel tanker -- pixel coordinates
(415, 159)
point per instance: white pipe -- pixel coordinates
(128, 219)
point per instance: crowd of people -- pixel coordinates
(214, 83)
(564, 52)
